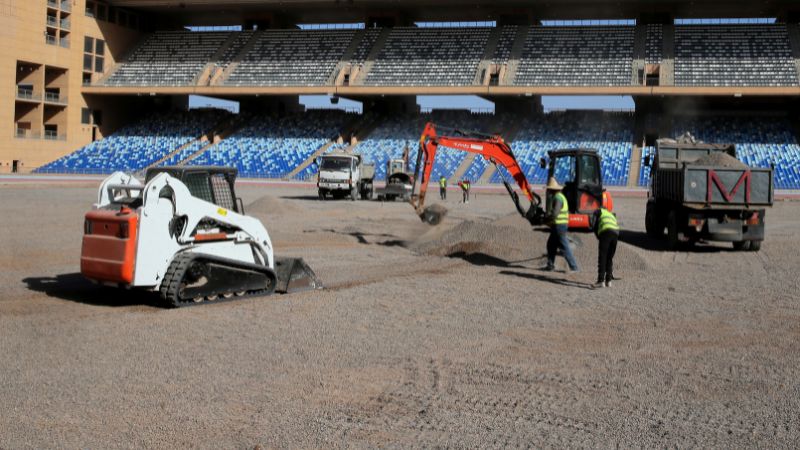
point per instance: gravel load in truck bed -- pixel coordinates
(720, 159)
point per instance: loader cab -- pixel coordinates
(210, 183)
(579, 172)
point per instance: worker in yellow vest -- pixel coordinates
(558, 219)
(606, 228)
(443, 188)
(465, 187)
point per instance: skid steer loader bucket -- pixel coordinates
(294, 275)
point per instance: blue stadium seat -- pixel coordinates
(271, 148)
(137, 146)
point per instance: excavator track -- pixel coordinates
(194, 278)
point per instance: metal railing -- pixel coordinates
(65, 24)
(52, 135)
(64, 42)
(66, 6)
(52, 3)
(26, 94)
(50, 39)
(23, 133)
(54, 97)
(52, 21)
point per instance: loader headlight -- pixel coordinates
(87, 226)
(124, 230)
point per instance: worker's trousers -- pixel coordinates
(443, 193)
(605, 255)
(465, 197)
(558, 239)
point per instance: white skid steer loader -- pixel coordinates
(183, 233)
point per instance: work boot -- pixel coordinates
(598, 285)
(548, 268)
(575, 270)
(608, 283)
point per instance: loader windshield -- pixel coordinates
(335, 164)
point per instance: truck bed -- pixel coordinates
(715, 187)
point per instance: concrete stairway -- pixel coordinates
(371, 56)
(481, 76)
(223, 75)
(515, 56)
(636, 164)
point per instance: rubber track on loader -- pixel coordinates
(171, 285)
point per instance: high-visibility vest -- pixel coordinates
(608, 222)
(563, 216)
(443, 182)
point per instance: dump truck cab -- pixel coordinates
(580, 173)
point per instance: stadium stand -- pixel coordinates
(760, 142)
(168, 58)
(733, 55)
(271, 148)
(312, 169)
(611, 134)
(503, 50)
(577, 56)
(291, 58)
(137, 146)
(236, 46)
(644, 171)
(390, 138)
(654, 47)
(365, 46)
(429, 57)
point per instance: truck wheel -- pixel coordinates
(741, 246)
(353, 194)
(651, 223)
(672, 231)
(321, 195)
(755, 246)
(370, 193)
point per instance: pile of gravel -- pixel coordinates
(720, 159)
(270, 205)
(511, 240)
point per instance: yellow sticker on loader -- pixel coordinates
(222, 211)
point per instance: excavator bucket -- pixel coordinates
(433, 214)
(294, 275)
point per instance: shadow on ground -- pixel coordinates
(548, 279)
(75, 288)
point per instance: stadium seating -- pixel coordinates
(577, 56)
(503, 50)
(611, 134)
(271, 148)
(760, 142)
(365, 46)
(168, 58)
(137, 146)
(415, 56)
(236, 46)
(644, 171)
(291, 58)
(733, 55)
(654, 49)
(186, 152)
(389, 140)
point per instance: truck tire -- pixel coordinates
(322, 195)
(672, 231)
(651, 222)
(755, 246)
(354, 193)
(741, 246)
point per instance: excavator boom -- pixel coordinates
(491, 147)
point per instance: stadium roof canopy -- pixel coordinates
(319, 11)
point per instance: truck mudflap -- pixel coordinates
(294, 275)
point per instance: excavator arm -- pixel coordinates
(491, 147)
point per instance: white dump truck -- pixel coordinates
(344, 175)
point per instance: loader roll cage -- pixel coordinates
(210, 183)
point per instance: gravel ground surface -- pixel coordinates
(425, 336)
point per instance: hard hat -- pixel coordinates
(552, 184)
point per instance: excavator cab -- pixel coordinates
(579, 172)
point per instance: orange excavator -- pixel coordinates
(584, 192)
